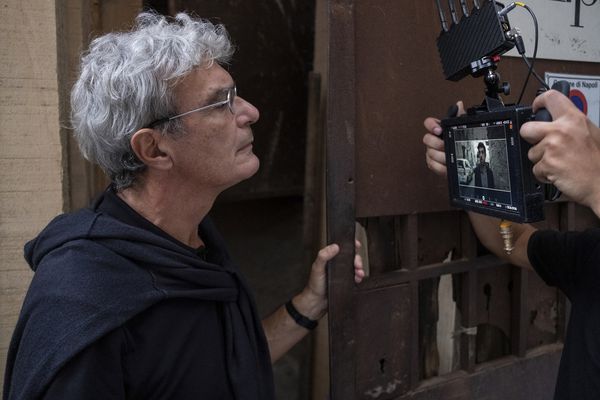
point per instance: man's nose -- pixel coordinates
(246, 112)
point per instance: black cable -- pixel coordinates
(539, 78)
(530, 65)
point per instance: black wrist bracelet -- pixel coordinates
(299, 318)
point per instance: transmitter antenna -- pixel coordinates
(453, 11)
(465, 9)
(443, 22)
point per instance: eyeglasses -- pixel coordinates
(230, 100)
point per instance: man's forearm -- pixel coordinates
(487, 230)
(283, 332)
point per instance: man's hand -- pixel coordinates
(435, 156)
(566, 151)
(281, 330)
(314, 296)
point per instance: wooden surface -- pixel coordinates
(385, 78)
(497, 380)
(340, 199)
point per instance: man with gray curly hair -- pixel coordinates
(137, 296)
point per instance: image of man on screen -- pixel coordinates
(484, 177)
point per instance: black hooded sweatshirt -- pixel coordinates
(119, 310)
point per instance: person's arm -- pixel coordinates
(281, 329)
(487, 230)
(566, 151)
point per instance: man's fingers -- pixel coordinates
(555, 102)
(461, 108)
(433, 125)
(438, 156)
(534, 131)
(359, 275)
(358, 263)
(330, 251)
(435, 156)
(438, 168)
(433, 142)
(436, 161)
(326, 254)
(540, 173)
(359, 270)
(535, 154)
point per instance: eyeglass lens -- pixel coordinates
(231, 95)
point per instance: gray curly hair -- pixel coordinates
(127, 80)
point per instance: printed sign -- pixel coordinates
(585, 92)
(568, 29)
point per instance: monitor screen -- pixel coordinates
(482, 167)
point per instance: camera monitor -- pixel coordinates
(488, 168)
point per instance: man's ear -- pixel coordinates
(146, 144)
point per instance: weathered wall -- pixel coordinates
(41, 172)
(31, 155)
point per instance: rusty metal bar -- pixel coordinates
(469, 295)
(432, 271)
(415, 365)
(340, 153)
(469, 318)
(313, 174)
(519, 312)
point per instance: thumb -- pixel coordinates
(326, 254)
(461, 108)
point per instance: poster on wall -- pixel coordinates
(585, 92)
(568, 29)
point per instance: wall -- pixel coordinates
(31, 155)
(41, 171)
